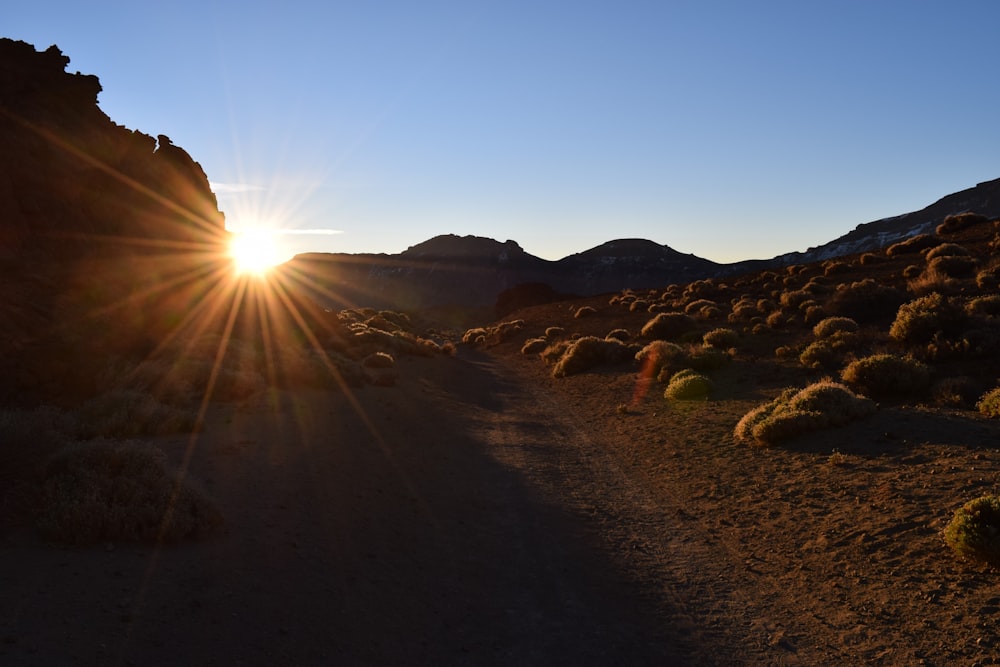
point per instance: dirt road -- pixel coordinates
(448, 520)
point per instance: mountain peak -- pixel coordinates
(452, 246)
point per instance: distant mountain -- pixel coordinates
(984, 199)
(471, 271)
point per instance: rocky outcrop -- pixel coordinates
(91, 215)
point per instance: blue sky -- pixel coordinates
(731, 130)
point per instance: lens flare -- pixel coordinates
(256, 251)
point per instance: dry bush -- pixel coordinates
(989, 404)
(987, 306)
(668, 325)
(947, 250)
(659, 355)
(988, 279)
(912, 272)
(584, 311)
(974, 531)
(554, 332)
(956, 223)
(587, 352)
(913, 245)
(638, 306)
(534, 346)
(378, 360)
(493, 335)
(619, 334)
(956, 392)
(870, 259)
(829, 353)
(831, 325)
(127, 413)
(688, 385)
(883, 375)
(864, 301)
(110, 491)
(921, 319)
(796, 298)
(721, 338)
(474, 336)
(708, 359)
(820, 405)
(696, 307)
(555, 351)
(951, 266)
(833, 268)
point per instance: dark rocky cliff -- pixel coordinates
(91, 216)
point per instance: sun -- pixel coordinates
(256, 251)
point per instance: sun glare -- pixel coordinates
(256, 251)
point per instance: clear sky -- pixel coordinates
(728, 129)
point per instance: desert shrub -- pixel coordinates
(988, 279)
(913, 245)
(820, 405)
(584, 311)
(864, 301)
(947, 250)
(881, 375)
(668, 325)
(831, 325)
(695, 307)
(870, 258)
(952, 266)
(795, 298)
(989, 403)
(832, 268)
(687, 385)
(721, 338)
(958, 391)
(534, 346)
(127, 413)
(912, 271)
(974, 530)
(554, 352)
(813, 314)
(619, 334)
(829, 353)
(708, 359)
(103, 490)
(638, 306)
(765, 306)
(587, 352)
(554, 332)
(921, 319)
(378, 360)
(984, 306)
(474, 335)
(661, 354)
(781, 318)
(959, 221)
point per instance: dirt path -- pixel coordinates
(447, 520)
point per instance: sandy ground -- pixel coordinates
(481, 512)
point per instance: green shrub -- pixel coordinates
(989, 403)
(668, 325)
(534, 346)
(587, 352)
(721, 338)
(974, 531)
(688, 385)
(103, 490)
(881, 375)
(831, 325)
(820, 405)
